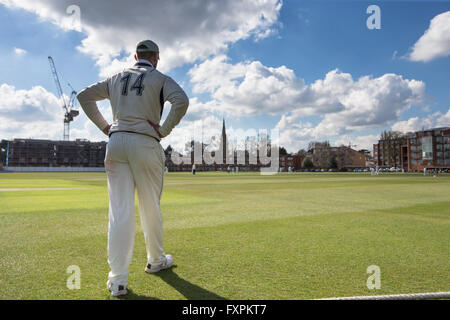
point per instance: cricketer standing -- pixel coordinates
(134, 156)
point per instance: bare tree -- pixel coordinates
(302, 152)
(307, 163)
(392, 144)
(321, 153)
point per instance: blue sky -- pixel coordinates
(292, 50)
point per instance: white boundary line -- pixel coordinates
(413, 296)
(39, 189)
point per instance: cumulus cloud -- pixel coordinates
(371, 102)
(343, 104)
(37, 113)
(413, 124)
(246, 88)
(444, 120)
(29, 113)
(200, 32)
(85, 129)
(434, 120)
(208, 129)
(24, 105)
(296, 134)
(185, 31)
(198, 110)
(435, 42)
(250, 88)
(358, 142)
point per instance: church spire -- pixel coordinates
(224, 141)
(224, 133)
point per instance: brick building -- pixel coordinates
(344, 157)
(293, 161)
(48, 153)
(422, 149)
(391, 153)
(429, 149)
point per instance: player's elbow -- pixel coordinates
(184, 105)
(184, 101)
(81, 96)
(180, 103)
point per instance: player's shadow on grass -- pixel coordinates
(134, 296)
(187, 289)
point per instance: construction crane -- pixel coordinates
(69, 113)
(73, 95)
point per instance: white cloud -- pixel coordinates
(412, 124)
(435, 42)
(199, 129)
(20, 52)
(199, 110)
(209, 130)
(29, 113)
(25, 105)
(38, 114)
(249, 88)
(294, 134)
(358, 142)
(85, 129)
(344, 105)
(373, 102)
(185, 31)
(444, 120)
(193, 31)
(434, 120)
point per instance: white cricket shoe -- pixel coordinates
(168, 263)
(116, 290)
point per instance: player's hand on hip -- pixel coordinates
(106, 130)
(156, 127)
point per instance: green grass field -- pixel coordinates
(245, 236)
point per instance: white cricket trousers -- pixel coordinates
(133, 161)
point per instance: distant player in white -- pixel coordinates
(134, 156)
